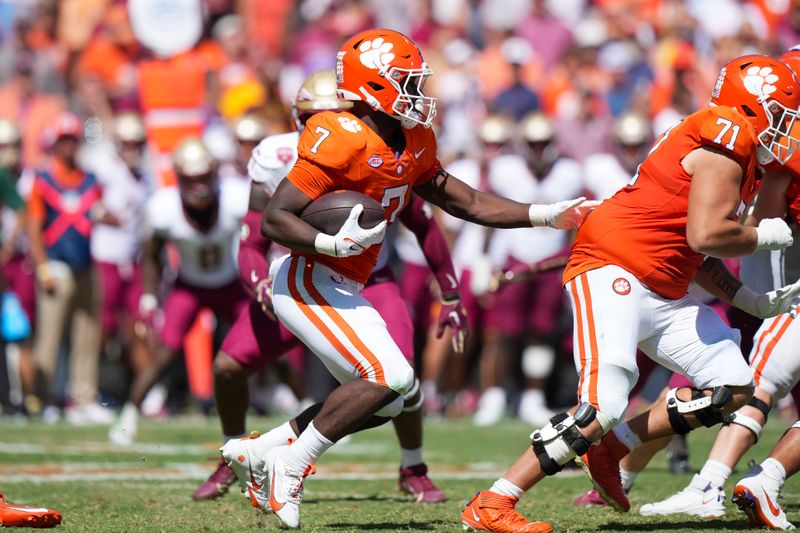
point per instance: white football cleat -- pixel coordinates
(700, 498)
(491, 407)
(757, 496)
(250, 469)
(285, 487)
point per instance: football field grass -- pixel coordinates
(147, 487)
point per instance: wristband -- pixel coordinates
(325, 244)
(540, 215)
(147, 303)
(747, 300)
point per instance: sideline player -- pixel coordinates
(201, 218)
(628, 276)
(257, 338)
(383, 148)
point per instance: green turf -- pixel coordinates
(100, 488)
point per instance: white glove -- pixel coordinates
(770, 304)
(773, 234)
(568, 214)
(351, 239)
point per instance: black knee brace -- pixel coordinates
(560, 440)
(707, 409)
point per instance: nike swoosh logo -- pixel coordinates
(452, 280)
(474, 515)
(253, 276)
(256, 486)
(772, 509)
(417, 154)
(273, 503)
(24, 509)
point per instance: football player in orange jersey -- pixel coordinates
(774, 362)
(382, 147)
(628, 275)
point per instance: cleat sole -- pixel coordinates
(610, 501)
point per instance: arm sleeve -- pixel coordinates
(417, 218)
(253, 265)
(311, 179)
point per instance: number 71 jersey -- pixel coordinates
(337, 151)
(642, 228)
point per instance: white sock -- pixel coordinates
(410, 457)
(308, 447)
(628, 478)
(627, 436)
(773, 469)
(129, 417)
(506, 488)
(226, 438)
(278, 436)
(715, 472)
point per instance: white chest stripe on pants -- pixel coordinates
(328, 313)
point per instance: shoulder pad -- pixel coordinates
(726, 130)
(332, 139)
(273, 158)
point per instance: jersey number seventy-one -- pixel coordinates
(642, 228)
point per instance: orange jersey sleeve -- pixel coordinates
(642, 228)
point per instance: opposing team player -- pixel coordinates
(201, 218)
(774, 360)
(384, 148)
(258, 338)
(628, 276)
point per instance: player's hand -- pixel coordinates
(148, 305)
(351, 239)
(453, 314)
(773, 234)
(773, 303)
(568, 214)
(264, 297)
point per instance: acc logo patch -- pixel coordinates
(375, 161)
(244, 233)
(285, 155)
(621, 286)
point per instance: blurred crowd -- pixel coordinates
(539, 100)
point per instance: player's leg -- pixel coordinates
(775, 365)
(385, 297)
(606, 332)
(328, 313)
(253, 341)
(544, 307)
(757, 492)
(180, 310)
(692, 338)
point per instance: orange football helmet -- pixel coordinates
(385, 69)
(768, 93)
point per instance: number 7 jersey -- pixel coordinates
(337, 151)
(642, 228)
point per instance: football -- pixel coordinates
(328, 212)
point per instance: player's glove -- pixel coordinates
(773, 234)
(773, 303)
(453, 314)
(264, 297)
(351, 239)
(568, 214)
